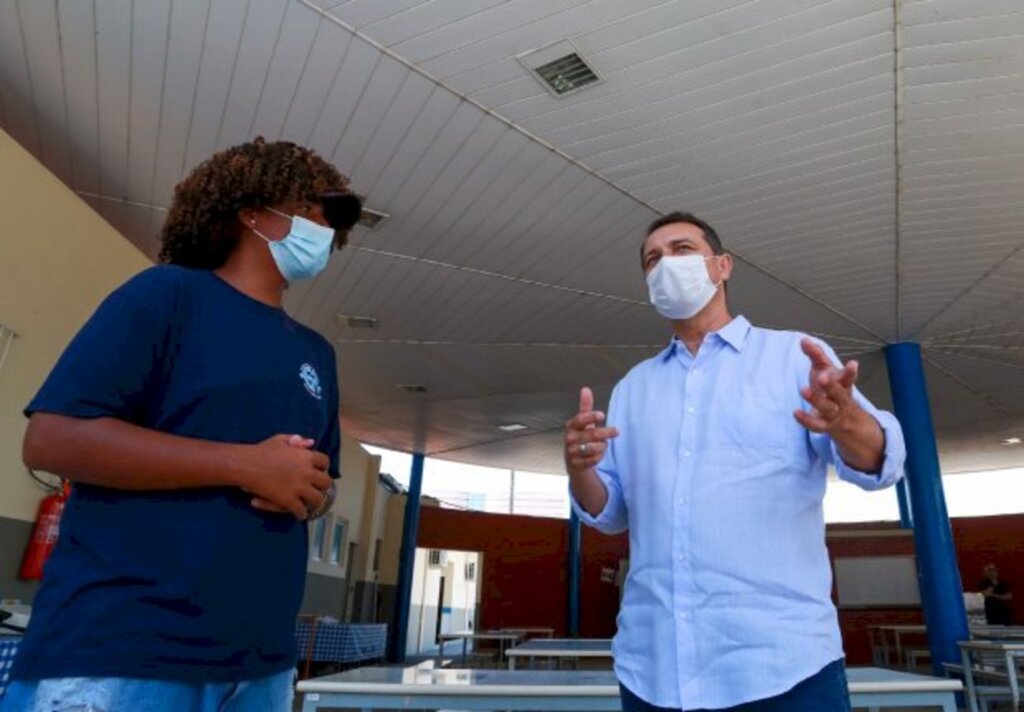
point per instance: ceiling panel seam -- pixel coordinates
(160, 112)
(231, 76)
(497, 395)
(498, 275)
(495, 441)
(971, 287)
(195, 90)
(64, 91)
(973, 389)
(302, 73)
(498, 344)
(31, 81)
(266, 75)
(386, 51)
(898, 85)
(131, 84)
(983, 359)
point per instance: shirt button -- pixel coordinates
(686, 454)
(691, 409)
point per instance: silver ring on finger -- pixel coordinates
(584, 449)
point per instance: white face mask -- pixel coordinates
(680, 286)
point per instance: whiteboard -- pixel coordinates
(877, 581)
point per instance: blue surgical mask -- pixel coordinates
(303, 252)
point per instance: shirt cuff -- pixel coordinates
(892, 464)
(611, 519)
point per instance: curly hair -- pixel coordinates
(202, 227)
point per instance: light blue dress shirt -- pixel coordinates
(728, 597)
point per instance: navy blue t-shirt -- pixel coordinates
(189, 585)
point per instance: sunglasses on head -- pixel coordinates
(341, 210)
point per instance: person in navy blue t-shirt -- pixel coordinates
(198, 424)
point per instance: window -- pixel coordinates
(540, 495)
(434, 557)
(471, 571)
(337, 539)
(376, 555)
(317, 539)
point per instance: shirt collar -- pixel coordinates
(734, 333)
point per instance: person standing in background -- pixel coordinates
(998, 597)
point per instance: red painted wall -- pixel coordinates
(524, 573)
(978, 540)
(854, 623)
(1000, 540)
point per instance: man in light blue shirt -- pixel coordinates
(714, 457)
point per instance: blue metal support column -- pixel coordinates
(903, 499)
(575, 564)
(403, 596)
(941, 590)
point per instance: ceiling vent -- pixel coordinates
(411, 388)
(561, 68)
(358, 322)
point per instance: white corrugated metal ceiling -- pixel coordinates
(862, 157)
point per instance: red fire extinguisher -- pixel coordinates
(44, 535)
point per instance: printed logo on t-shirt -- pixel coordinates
(311, 381)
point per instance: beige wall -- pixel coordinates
(372, 521)
(380, 518)
(58, 260)
(358, 468)
(391, 535)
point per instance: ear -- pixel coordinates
(247, 216)
(643, 252)
(725, 265)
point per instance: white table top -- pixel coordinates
(480, 635)
(998, 632)
(902, 628)
(1006, 646)
(411, 681)
(566, 647)
(417, 681)
(873, 679)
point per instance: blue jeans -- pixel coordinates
(825, 691)
(118, 694)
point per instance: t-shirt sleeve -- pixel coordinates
(333, 436)
(114, 367)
